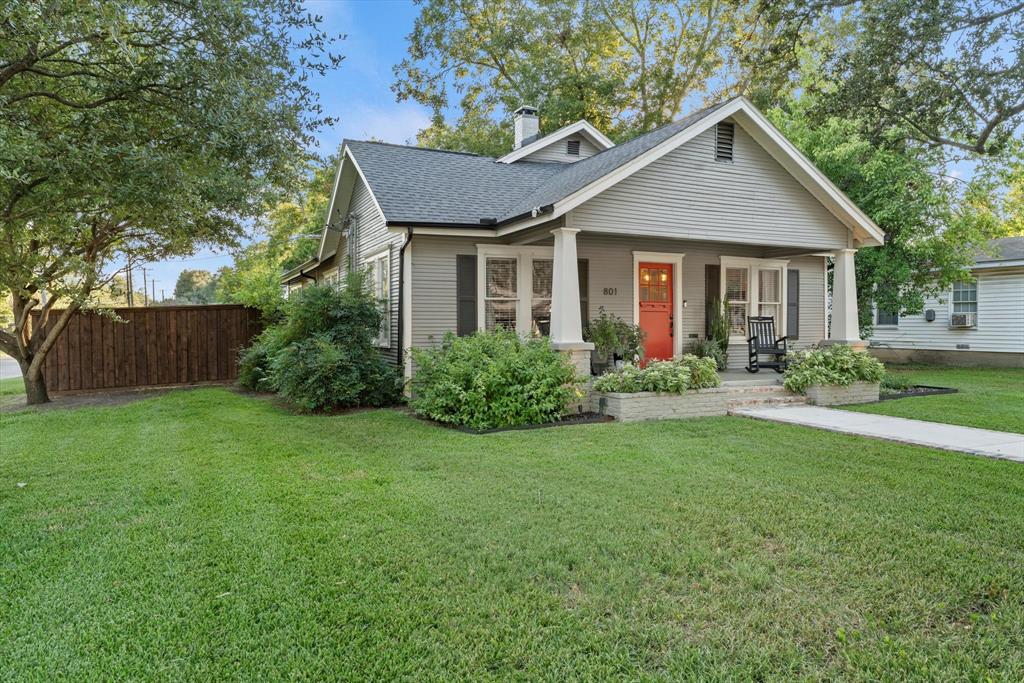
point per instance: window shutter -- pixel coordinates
(583, 267)
(465, 290)
(712, 287)
(793, 304)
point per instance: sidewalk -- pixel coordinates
(985, 442)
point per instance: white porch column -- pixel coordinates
(845, 329)
(566, 326)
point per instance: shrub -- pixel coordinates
(611, 335)
(493, 379)
(718, 330)
(838, 364)
(893, 383)
(322, 354)
(670, 376)
(709, 348)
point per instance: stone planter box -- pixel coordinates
(836, 395)
(651, 405)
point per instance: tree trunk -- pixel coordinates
(35, 389)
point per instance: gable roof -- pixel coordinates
(581, 127)
(416, 186)
(1001, 252)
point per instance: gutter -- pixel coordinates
(401, 294)
(483, 223)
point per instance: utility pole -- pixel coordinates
(128, 277)
(152, 283)
(145, 296)
(163, 297)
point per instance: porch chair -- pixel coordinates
(763, 342)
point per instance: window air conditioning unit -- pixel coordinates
(963, 320)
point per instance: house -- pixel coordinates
(976, 322)
(715, 206)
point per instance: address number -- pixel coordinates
(611, 291)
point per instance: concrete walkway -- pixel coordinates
(933, 434)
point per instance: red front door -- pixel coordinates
(655, 288)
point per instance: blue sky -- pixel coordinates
(358, 94)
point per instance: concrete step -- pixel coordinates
(765, 402)
(768, 389)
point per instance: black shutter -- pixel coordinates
(712, 287)
(793, 304)
(465, 291)
(583, 267)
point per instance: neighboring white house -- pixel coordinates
(975, 322)
(715, 206)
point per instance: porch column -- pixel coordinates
(566, 326)
(845, 329)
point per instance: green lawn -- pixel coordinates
(12, 386)
(991, 398)
(205, 535)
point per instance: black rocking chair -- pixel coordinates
(763, 343)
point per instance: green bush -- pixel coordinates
(611, 335)
(322, 354)
(709, 348)
(893, 383)
(493, 379)
(669, 376)
(838, 364)
(718, 330)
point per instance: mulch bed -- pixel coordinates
(917, 390)
(578, 419)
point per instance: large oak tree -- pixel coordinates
(142, 129)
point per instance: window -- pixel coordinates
(725, 133)
(540, 306)
(501, 293)
(572, 148)
(333, 278)
(884, 318)
(965, 297)
(769, 294)
(380, 279)
(736, 299)
(654, 284)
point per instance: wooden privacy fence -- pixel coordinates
(155, 346)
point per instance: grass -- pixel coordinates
(990, 398)
(206, 535)
(12, 386)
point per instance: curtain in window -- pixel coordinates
(769, 295)
(501, 292)
(736, 299)
(540, 309)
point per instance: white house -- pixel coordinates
(715, 206)
(976, 322)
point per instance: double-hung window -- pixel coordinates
(379, 266)
(965, 297)
(514, 286)
(752, 287)
(884, 318)
(501, 293)
(540, 306)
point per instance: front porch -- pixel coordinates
(665, 286)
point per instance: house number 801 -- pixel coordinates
(611, 291)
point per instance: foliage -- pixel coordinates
(611, 335)
(141, 129)
(944, 73)
(322, 355)
(933, 228)
(290, 230)
(669, 376)
(838, 364)
(718, 329)
(626, 67)
(196, 287)
(709, 348)
(894, 383)
(493, 379)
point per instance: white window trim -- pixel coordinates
(676, 259)
(753, 287)
(524, 280)
(886, 326)
(977, 303)
(383, 341)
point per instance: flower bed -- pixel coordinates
(837, 394)
(834, 375)
(660, 405)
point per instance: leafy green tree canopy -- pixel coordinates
(196, 287)
(143, 129)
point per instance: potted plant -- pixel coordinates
(718, 330)
(615, 341)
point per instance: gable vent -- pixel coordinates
(725, 133)
(572, 148)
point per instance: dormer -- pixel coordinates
(566, 145)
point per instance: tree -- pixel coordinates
(140, 129)
(196, 287)
(625, 66)
(933, 227)
(946, 73)
(291, 230)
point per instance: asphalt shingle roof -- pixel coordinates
(419, 185)
(1002, 249)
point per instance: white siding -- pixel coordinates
(687, 194)
(433, 286)
(1000, 320)
(556, 151)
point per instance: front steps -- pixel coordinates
(761, 396)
